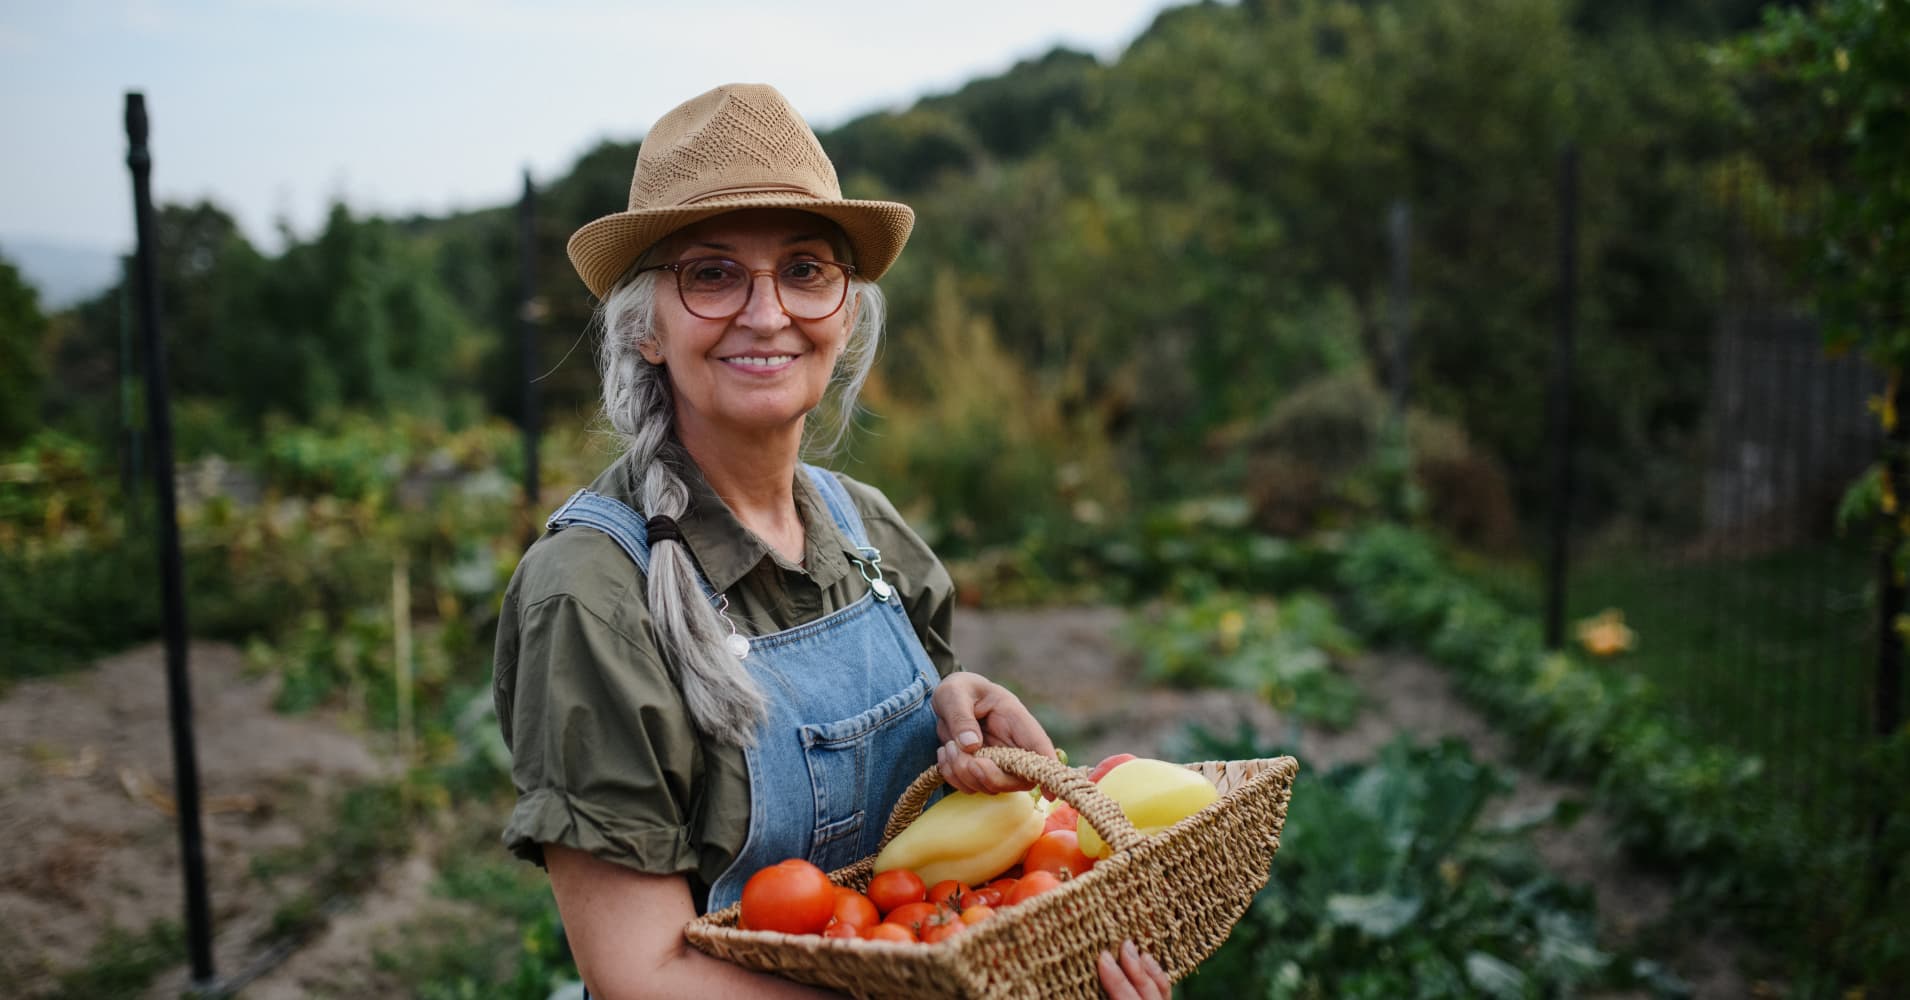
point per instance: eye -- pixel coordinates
(807, 272)
(711, 274)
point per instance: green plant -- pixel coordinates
(1808, 885)
(1390, 884)
(1282, 650)
(504, 939)
(123, 962)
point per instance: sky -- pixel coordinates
(275, 109)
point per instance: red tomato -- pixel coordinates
(894, 887)
(1031, 885)
(838, 929)
(1061, 817)
(976, 914)
(1057, 852)
(1108, 765)
(792, 896)
(912, 915)
(946, 892)
(889, 932)
(944, 924)
(985, 896)
(855, 909)
(968, 898)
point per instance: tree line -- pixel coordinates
(1161, 248)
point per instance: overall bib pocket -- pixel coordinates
(860, 766)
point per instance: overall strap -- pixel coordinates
(867, 558)
(841, 507)
(616, 519)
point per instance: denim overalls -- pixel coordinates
(849, 724)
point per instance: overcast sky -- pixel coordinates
(275, 108)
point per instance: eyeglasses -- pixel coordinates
(719, 288)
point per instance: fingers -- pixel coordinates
(974, 711)
(1009, 723)
(1135, 976)
(978, 775)
(1114, 981)
(955, 703)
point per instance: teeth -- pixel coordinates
(768, 362)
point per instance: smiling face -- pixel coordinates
(753, 377)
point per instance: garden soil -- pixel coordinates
(86, 767)
(86, 810)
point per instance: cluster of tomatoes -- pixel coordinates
(796, 897)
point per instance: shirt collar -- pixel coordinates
(726, 551)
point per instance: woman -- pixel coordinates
(756, 665)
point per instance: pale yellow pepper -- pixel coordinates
(1154, 795)
(969, 838)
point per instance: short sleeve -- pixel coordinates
(603, 754)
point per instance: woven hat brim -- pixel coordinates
(604, 249)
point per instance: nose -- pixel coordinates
(764, 309)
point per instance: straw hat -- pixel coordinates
(738, 146)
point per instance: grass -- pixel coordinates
(123, 963)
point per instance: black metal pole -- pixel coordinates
(1558, 400)
(185, 763)
(527, 317)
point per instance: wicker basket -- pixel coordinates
(1177, 894)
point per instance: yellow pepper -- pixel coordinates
(969, 838)
(1153, 794)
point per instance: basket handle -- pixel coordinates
(1066, 783)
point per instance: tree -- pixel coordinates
(22, 329)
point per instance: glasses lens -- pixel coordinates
(713, 287)
(811, 289)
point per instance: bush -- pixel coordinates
(1283, 651)
(1327, 456)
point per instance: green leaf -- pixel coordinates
(1378, 914)
(1494, 977)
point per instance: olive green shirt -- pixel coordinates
(603, 752)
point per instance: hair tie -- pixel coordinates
(662, 528)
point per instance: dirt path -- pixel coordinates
(85, 783)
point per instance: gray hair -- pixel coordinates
(724, 700)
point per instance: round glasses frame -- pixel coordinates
(683, 267)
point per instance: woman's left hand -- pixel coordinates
(1135, 976)
(971, 712)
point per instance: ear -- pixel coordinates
(651, 353)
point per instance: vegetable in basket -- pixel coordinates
(968, 838)
(1153, 793)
